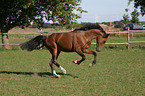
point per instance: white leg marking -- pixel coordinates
(54, 73)
(90, 64)
(75, 61)
(62, 69)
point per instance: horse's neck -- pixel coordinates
(91, 34)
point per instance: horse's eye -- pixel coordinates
(104, 41)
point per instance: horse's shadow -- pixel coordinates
(40, 74)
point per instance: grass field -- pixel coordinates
(118, 72)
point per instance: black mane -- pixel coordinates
(91, 26)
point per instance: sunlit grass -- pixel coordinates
(117, 72)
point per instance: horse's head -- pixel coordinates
(101, 41)
(96, 31)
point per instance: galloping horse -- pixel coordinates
(77, 41)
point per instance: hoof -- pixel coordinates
(57, 76)
(91, 64)
(64, 71)
(76, 62)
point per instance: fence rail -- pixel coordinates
(128, 32)
(20, 33)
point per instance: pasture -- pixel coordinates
(118, 72)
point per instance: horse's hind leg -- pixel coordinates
(54, 72)
(89, 51)
(60, 67)
(52, 69)
(53, 62)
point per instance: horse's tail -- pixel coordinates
(37, 42)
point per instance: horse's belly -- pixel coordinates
(64, 42)
(65, 48)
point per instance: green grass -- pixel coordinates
(118, 72)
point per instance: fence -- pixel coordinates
(128, 32)
(128, 37)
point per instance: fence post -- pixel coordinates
(131, 35)
(119, 34)
(128, 37)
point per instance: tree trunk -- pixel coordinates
(5, 41)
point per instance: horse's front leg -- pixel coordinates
(82, 55)
(89, 51)
(78, 62)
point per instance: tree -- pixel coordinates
(134, 16)
(118, 24)
(125, 19)
(73, 25)
(139, 4)
(22, 12)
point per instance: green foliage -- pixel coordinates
(118, 24)
(135, 15)
(126, 10)
(125, 19)
(73, 25)
(105, 23)
(139, 4)
(45, 25)
(22, 12)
